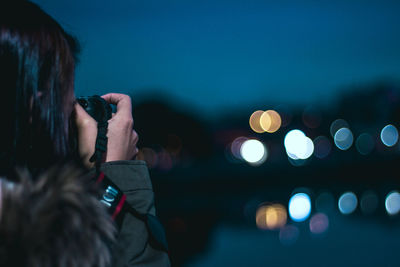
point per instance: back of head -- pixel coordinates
(37, 60)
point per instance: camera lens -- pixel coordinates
(83, 102)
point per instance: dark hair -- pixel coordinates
(37, 62)
(55, 221)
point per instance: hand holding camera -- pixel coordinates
(122, 139)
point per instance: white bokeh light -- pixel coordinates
(392, 203)
(343, 138)
(253, 151)
(389, 135)
(309, 149)
(298, 145)
(299, 207)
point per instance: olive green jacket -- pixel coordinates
(132, 247)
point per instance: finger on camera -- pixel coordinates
(123, 102)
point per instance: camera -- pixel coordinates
(96, 107)
(101, 111)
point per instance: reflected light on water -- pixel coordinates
(288, 235)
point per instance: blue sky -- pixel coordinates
(224, 55)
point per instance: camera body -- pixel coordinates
(96, 107)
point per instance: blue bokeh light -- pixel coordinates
(392, 203)
(389, 135)
(348, 203)
(365, 144)
(343, 138)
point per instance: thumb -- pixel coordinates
(82, 117)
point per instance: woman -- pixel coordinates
(37, 63)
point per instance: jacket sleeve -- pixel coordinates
(132, 247)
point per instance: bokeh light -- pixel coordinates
(365, 144)
(392, 203)
(253, 151)
(148, 155)
(271, 216)
(325, 202)
(298, 145)
(322, 147)
(174, 144)
(338, 124)
(389, 135)
(319, 223)
(255, 121)
(299, 207)
(275, 120)
(288, 235)
(343, 138)
(165, 161)
(265, 121)
(236, 145)
(369, 202)
(347, 203)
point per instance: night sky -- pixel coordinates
(220, 55)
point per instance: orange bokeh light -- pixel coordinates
(255, 121)
(276, 121)
(265, 121)
(271, 216)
